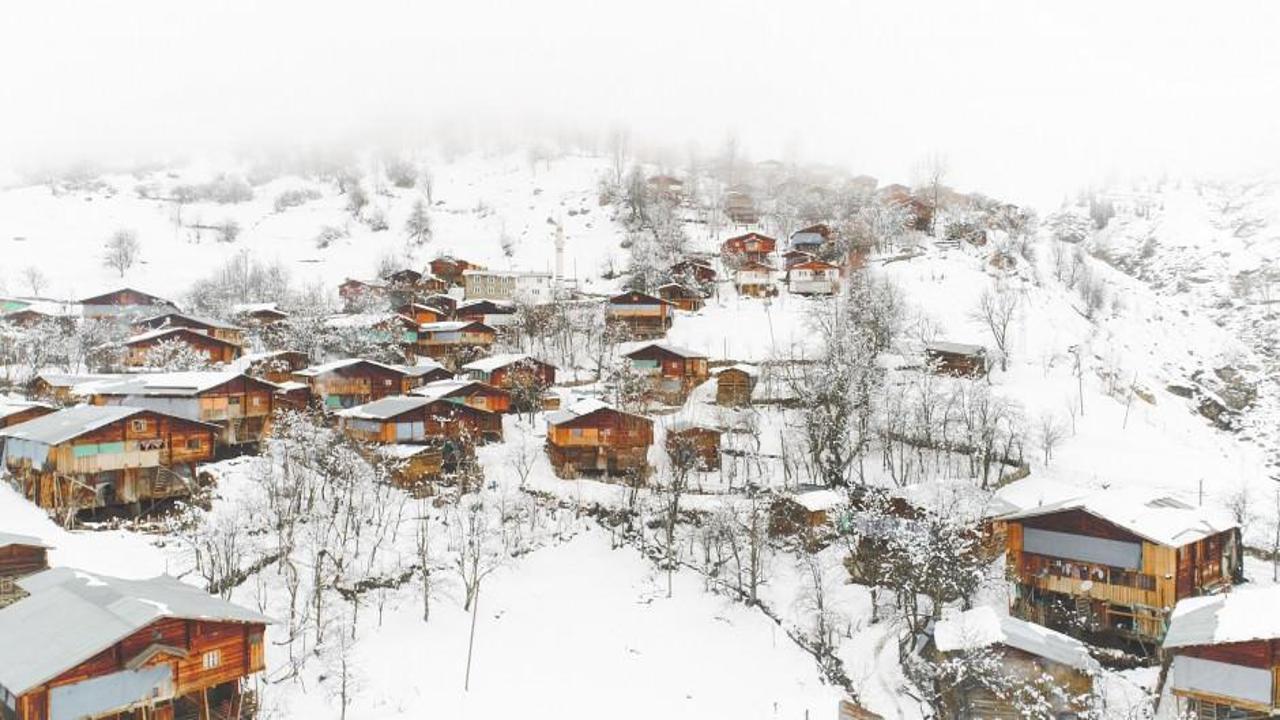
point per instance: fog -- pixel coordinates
(1026, 101)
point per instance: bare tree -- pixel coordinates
(931, 173)
(34, 278)
(997, 309)
(475, 542)
(422, 536)
(418, 226)
(1051, 433)
(122, 251)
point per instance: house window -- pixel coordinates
(193, 443)
(138, 425)
(212, 659)
(257, 400)
(386, 382)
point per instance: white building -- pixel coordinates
(517, 285)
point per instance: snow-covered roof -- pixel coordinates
(77, 383)
(13, 406)
(64, 425)
(807, 238)
(332, 365)
(955, 348)
(668, 347)
(1147, 513)
(167, 384)
(7, 539)
(362, 320)
(820, 500)
(71, 615)
(246, 308)
(751, 370)
(211, 322)
(493, 362)
(448, 325)
(424, 366)
(385, 408)
(584, 406)
(400, 451)
(982, 627)
(1241, 615)
(1036, 491)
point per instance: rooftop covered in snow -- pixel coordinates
(982, 627)
(1149, 514)
(1241, 615)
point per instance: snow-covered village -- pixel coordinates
(470, 408)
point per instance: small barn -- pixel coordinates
(592, 437)
(1058, 666)
(949, 358)
(734, 384)
(643, 315)
(139, 349)
(94, 456)
(115, 648)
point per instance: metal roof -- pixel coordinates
(64, 425)
(169, 384)
(71, 615)
(1239, 615)
(16, 539)
(1149, 514)
(386, 408)
(957, 348)
(211, 322)
(981, 627)
(493, 362)
(9, 406)
(323, 368)
(673, 349)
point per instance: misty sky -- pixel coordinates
(1027, 101)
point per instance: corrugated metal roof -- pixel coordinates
(169, 383)
(1149, 514)
(668, 347)
(1240, 615)
(9, 406)
(981, 627)
(493, 362)
(387, 407)
(64, 425)
(323, 368)
(71, 615)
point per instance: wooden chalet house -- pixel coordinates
(83, 645)
(811, 239)
(813, 277)
(751, 247)
(351, 382)
(740, 208)
(949, 358)
(358, 295)
(644, 316)
(471, 393)
(20, 555)
(512, 370)
(672, 371)
(14, 411)
(450, 269)
(238, 404)
(454, 338)
(123, 303)
(425, 371)
(1115, 562)
(754, 279)
(259, 315)
(422, 313)
(275, 366)
(493, 313)
(419, 418)
(694, 270)
(791, 258)
(1222, 656)
(683, 297)
(92, 456)
(1026, 653)
(36, 316)
(208, 326)
(138, 349)
(593, 438)
(734, 385)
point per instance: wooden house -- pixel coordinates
(694, 270)
(417, 419)
(454, 338)
(67, 388)
(1222, 656)
(811, 239)
(948, 358)
(683, 297)
(694, 442)
(1114, 562)
(471, 393)
(510, 371)
(791, 258)
(450, 269)
(754, 279)
(259, 315)
(139, 348)
(20, 555)
(593, 438)
(673, 371)
(740, 208)
(425, 371)
(274, 366)
(351, 382)
(751, 247)
(125, 302)
(422, 313)
(209, 326)
(380, 328)
(31, 317)
(494, 313)
(446, 304)
(416, 466)
(92, 456)
(358, 295)
(1057, 667)
(238, 404)
(643, 315)
(813, 277)
(734, 385)
(83, 645)
(14, 411)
